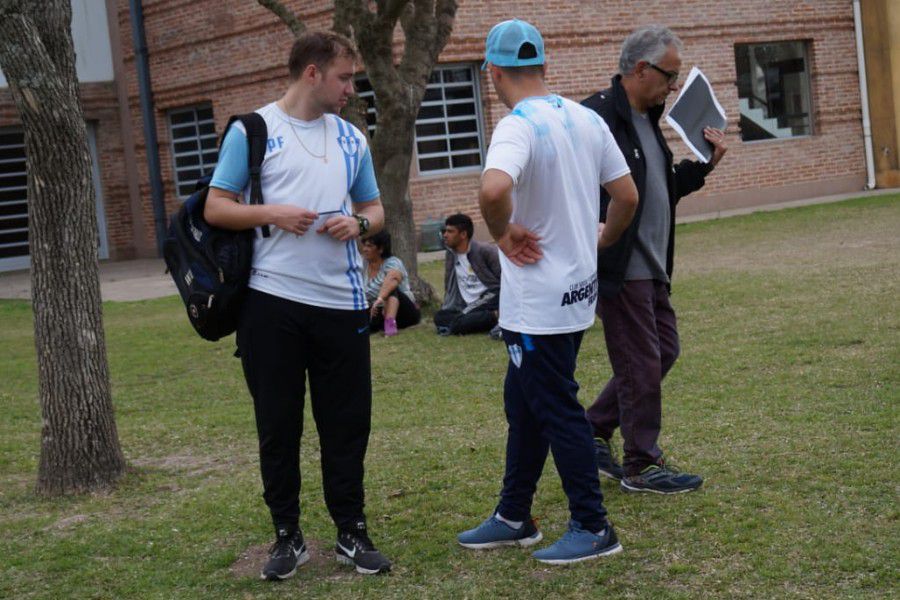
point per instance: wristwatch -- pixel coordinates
(363, 224)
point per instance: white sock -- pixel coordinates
(513, 524)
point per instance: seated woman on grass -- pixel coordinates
(393, 305)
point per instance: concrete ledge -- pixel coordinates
(702, 202)
(734, 212)
(126, 280)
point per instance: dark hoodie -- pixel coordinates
(685, 177)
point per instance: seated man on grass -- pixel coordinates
(471, 281)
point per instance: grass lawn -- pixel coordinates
(785, 399)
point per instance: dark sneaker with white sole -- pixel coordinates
(354, 548)
(286, 554)
(661, 479)
(606, 460)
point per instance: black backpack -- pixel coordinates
(211, 266)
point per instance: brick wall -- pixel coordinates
(232, 54)
(582, 59)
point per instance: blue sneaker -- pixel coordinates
(578, 544)
(494, 533)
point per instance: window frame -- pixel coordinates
(478, 117)
(479, 122)
(807, 46)
(23, 261)
(19, 261)
(198, 137)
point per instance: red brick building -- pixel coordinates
(785, 72)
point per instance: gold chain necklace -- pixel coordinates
(324, 155)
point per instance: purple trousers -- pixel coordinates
(642, 343)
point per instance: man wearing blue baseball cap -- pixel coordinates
(540, 198)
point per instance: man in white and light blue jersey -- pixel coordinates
(306, 308)
(540, 197)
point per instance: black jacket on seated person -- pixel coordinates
(685, 177)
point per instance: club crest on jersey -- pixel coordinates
(349, 144)
(515, 354)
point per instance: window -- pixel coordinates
(773, 90)
(194, 146)
(448, 131)
(448, 127)
(14, 245)
(13, 200)
(364, 91)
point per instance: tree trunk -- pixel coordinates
(391, 159)
(79, 443)
(355, 113)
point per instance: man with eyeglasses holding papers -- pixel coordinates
(635, 273)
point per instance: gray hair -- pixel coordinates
(649, 44)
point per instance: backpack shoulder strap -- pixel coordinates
(257, 133)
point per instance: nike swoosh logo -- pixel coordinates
(361, 330)
(348, 552)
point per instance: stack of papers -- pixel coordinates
(696, 108)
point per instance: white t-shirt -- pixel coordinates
(558, 154)
(314, 268)
(470, 287)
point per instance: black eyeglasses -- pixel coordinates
(671, 76)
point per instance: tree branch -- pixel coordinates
(287, 17)
(392, 11)
(373, 33)
(427, 29)
(445, 14)
(352, 17)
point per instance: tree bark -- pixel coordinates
(80, 449)
(287, 17)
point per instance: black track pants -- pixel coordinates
(280, 341)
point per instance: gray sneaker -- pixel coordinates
(606, 460)
(661, 479)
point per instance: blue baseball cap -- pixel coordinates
(506, 39)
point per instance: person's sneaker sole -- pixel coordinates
(346, 560)
(524, 543)
(637, 490)
(609, 475)
(571, 561)
(302, 559)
